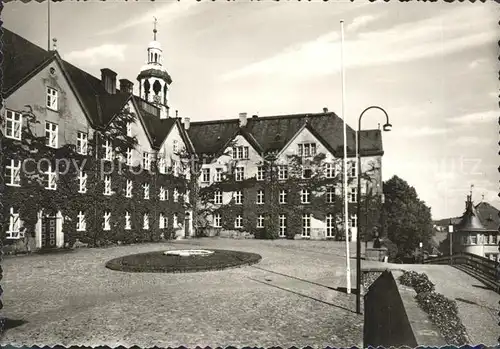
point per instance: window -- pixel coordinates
(13, 122)
(146, 191)
(108, 151)
(51, 179)
(473, 239)
(82, 182)
(13, 173)
(260, 221)
(162, 194)
(205, 177)
(175, 146)
(128, 189)
(330, 170)
(127, 221)
(307, 149)
(353, 221)
(306, 173)
(283, 194)
(218, 197)
(186, 196)
(107, 221)
(51, 98)
(162, 164)
(163, 221)
(260, 197)
(306, 225)
(465, 240)
(145, 221)
(352, 169)
(166, 194)
(238, 221)
(305, 195)
(81, 225)
(330, 195)
(146, 161)
(14, 225)
(107, 185)
(129, 129)
(176, 195)
(493, 240)
(240, 152)
(51, 134)
(260, 173)
(239, 173)
(217, 221)
(175, 168)
(238, 197)
(282, 172)
(353, 195)
(218, 175)
(330, 222)
(282, 231)
(81, 143)
(175, 222)
(129, 157)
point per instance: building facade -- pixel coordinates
(477, 233)
(135, 172)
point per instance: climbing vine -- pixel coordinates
(32, 196)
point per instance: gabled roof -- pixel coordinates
(272, 133)
(24, 59)
(21, 59)
(488, 215)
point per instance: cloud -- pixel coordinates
(475, 118)
(416, 132)
(360, 22)
(437, 36)
(164, 14)
(470, 141)
(475, 63)
(98, 54)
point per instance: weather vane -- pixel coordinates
(154, 30)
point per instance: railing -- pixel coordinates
(482, 268)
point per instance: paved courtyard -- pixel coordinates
(289, 298)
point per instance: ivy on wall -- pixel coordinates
(317, 184)
(32, 196)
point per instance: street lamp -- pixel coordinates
(387, 127)
(450, 231)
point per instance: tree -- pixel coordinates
(407, 219)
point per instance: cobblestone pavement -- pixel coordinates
(477, 306)
(289, 298)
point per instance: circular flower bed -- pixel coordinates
(159, 262)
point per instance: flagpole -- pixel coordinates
(48, 25)
(346, 211)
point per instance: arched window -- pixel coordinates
(157, 87)
(147, 86)
(156, 58)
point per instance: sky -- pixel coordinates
(432, 66)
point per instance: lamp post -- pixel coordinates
(387, 127)
(450, 231)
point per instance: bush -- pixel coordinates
(442, 311)
(419, 281)
(392, 249)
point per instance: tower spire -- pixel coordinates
(154, 30)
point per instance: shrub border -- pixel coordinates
(246, 259)
(425, 289)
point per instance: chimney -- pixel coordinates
(325, 110)
(126, 86)
(186, 123)
(255, 116)
(108, 78)
(243, 119)
(176, 113)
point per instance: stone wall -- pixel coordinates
(393, 318)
